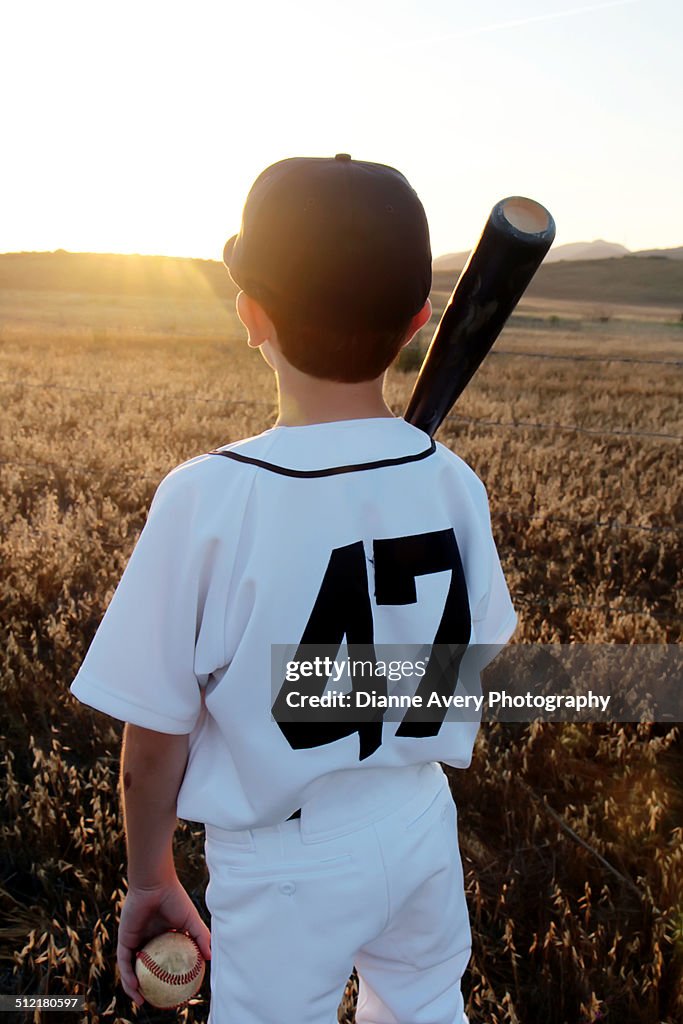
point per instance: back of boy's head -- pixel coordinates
(337, 253)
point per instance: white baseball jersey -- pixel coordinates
(365, 531)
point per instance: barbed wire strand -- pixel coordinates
(612, 524)
(81, 469)
(587, 359)
(572, 427)
(139, 394)
(452, 418)
(609, 524)
(561, 604)
(550, 356)
(530, 602)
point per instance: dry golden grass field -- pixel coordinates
(571, 836)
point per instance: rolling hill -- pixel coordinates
(635, 279)
(597, 250)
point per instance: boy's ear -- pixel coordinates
(257, 322)
(418, 321)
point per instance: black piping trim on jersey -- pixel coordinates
(333, 470)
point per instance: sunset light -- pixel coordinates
(139, 127)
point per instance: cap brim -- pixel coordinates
(227, 250)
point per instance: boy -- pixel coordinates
(329, 843)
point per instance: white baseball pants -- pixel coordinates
(370, 876)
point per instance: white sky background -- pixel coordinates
(139, 126)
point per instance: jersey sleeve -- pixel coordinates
(495, 618)
(139, 667)
(494, 621)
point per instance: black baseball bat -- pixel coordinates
(512, 245)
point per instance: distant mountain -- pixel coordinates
(451, 261)
(627, 280)
(597, 250)
(669, 254)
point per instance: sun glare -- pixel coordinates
(143, 131)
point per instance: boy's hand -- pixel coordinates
(145, 913)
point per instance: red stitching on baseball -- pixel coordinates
(163, 975)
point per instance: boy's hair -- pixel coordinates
(337, 252)
(349, 355)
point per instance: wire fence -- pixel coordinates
(533, 602)
(452, 418)
(156, 395)
(586, 359)
(571, 427)
(560, 604)
(572, 358)
(585, 524)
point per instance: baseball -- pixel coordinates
(170, 970)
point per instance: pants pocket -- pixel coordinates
(287, 869)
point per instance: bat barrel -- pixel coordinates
(515, 239)
(527, 217)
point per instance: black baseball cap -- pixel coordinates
(333, 241)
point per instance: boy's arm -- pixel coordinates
(152, 769)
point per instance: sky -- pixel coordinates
(140, 126)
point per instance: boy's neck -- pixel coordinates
(312, 400)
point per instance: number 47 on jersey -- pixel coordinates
(343, 609)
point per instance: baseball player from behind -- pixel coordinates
(328, 843)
